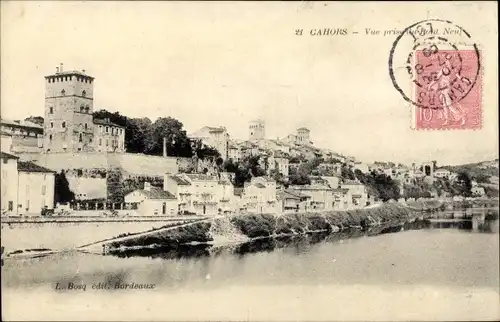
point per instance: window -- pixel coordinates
(90, 140)
(82, 108)
(63, 124)
(80, 138)
(112, 131)
(5, 161)
(106, 142)
(85, 126)
(11, 205)
(43, 190)
(50, 138)
(84, 93)
(87, 108)
(51, 124)
(63, 92)
(51, 110)
(107, 129)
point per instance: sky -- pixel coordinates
(227, 63)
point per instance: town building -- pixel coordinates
(358, 192)
(36, 188)
(290, 201)
(278, 161)
(153, 201)
(9, 182)
(197, 193)
(20, 136)
(257, 130)
(478, 191)
(321, 196)
(108, 136)
(259, 195)
(342, 199)
(442, 173)
(234, 152)
(363, 167)
(215, 137)
(27, 188)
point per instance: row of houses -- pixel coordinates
(204, 194)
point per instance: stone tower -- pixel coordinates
(68, 125)
(257, 130)
(303, 136)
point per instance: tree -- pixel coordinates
(178, 144)
(137, 134)
(35, 119)
(463, 184)
(62, 192)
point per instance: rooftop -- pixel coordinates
(21, 123)
(4, 155)
(32, 167)
(106, 122)
(69, 73)
(157, 193)
(180, 181)
(200, 177)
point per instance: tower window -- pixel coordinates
(107, 142)
(100, 141)
(87, 109)
(63, 124)
(84, 93)
(50, 137)
(51, 124)
(63, 92)
(82, 108)
(80, 138)
(85, 126)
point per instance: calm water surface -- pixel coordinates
(429, 267)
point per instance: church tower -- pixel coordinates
(68, 125)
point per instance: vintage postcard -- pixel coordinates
(249, 161)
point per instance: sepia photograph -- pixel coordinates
(249, 161)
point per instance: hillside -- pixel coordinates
(480, 171)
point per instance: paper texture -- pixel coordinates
(129, 130)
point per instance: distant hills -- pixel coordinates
(479, 171)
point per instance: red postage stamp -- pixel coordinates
(447, 88)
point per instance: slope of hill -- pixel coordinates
(480, 171)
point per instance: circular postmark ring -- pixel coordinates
(432, 41)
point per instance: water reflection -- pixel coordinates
(302, 243)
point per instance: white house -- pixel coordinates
(321, 196)
(153, 201)
(216, 137)
(358, 192)
(259, 195)
(9, 182)
(478, 191)
(197, 193)
(36, 188)
(291, 201)
(442, 173)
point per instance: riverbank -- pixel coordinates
(245, 227)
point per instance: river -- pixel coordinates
(426, 270)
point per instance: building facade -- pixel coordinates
(9, 182)
(108, 136)
(257, 130)
(216, 137)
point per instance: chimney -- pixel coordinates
(61, 69)
(147, 186)
(164, 147)
(57, 70)
(83, 71)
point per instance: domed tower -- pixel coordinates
(257, 130)
(69, 100)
